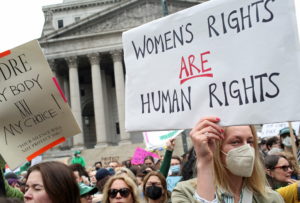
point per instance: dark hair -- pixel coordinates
(262, 142)
(81, 170)
(163, 184)
(101, 183)
(143, 169)
(134, 169)
(98, 162)
(59, 181)
(149, 157)
(272, 160)
(271, 141)
(188, 168)
(177, 158)
(126, 163)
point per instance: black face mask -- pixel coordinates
(153, 192)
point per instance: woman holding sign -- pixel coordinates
(228, 166)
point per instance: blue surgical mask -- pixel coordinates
(175, 169)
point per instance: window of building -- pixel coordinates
(60, 23)
(118, 128)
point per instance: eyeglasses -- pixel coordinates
(284, 168)
(124, 192)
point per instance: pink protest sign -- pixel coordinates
(140, 154)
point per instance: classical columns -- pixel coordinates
(75, 98)
(53, 67)
(98, 98)
(120, 92)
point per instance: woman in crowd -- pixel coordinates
(278, 170)
(149, 161)
(188, 168)
(120, 188)
(86, 193)
(228, 166)
(155, 188)
(127, 172)
(51, 182)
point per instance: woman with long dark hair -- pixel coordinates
(51, 182)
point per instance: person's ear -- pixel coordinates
(268, 171)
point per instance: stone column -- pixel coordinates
(66, 86)
(75, 98)
(53, 67)
(120, 92)
(99, 110)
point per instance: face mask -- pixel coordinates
(274, 150)
(287, 141)
(153, 192)
(174, 169)
(240, 161)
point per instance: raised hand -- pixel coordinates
(203, 136)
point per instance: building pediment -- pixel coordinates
(122, 16)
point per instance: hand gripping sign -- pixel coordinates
(238, 60)
(158, 139)
(34, 113)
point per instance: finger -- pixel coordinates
(209, 118)
(203, 137)
(206, 123)
(210, 129)
(212, 136)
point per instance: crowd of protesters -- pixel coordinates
(225, 164)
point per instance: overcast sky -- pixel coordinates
(23, 20)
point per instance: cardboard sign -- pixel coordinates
(238, 60)
(270, 130)
(140, 154)
(34, 113)
(158, 139)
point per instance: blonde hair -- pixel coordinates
(126, 171)
(132, 186)
(256, 182)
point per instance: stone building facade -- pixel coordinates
(82, 41)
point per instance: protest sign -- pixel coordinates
(238, 60)
(34, 113)
(158, 139)
(269, 130)
(140, 154)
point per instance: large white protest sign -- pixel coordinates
(269, 130)
(34, 113)
(238, 60)
(158, 139)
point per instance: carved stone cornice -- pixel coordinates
(94, 58)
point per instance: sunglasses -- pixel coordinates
(284, 168)
(124, 192)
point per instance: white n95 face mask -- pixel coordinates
(240, 160)
(287, 141)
